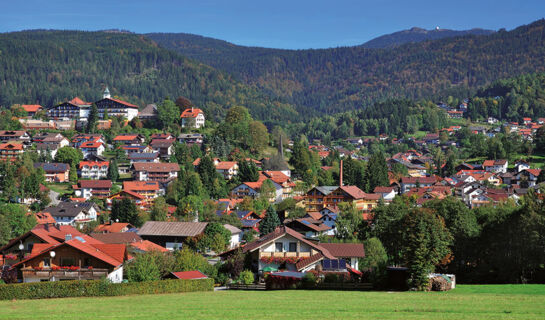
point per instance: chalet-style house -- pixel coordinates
(113, 227)
(143, 157)
(160, 172)
(148, 113)
(80, 139)
(95, 170)
(287, 249)
(50, 142)
(115, 107)
(92, 149)
(76, 258)
(192, 118)
(75, 109)
(495, 166)
(319, 198)
(191, 138)
(165, 147)
(148, 190)
(71, 213)
(308, 226)
(130, 139)
(228, 169)
(407, 183)
(253, 190)
(31, 109)
(93, 188)
(10, 151)
(54, 172)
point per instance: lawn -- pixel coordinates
(61, 188)
(465, 302)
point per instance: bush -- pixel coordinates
(143, 268)
(309, 280)
(99, 288)
(246, 277)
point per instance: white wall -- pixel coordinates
(116, 276)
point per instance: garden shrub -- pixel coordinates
(99, 288)
(246, 277)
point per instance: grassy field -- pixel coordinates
(465, 302)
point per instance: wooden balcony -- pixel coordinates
(80, 274)
(284, 254)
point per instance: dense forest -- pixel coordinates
(418, 35)
(340, 79)
(47, 67)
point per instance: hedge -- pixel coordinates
(99, 288)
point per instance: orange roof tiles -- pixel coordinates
(190, 275)
(146, 245)
(93, 163)
(191, 113)
(141, 185)
(31, 107)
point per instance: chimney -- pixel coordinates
(67, 237)
(341, 174)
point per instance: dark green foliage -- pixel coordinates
(125, 211)
(113, 173)
(14, 222)
(159, 210)
(99, 288)
(377, 172)
(143, 268)
(55, 66)
(211, 179)
(426, 243)
(330, 80)
(92, 120)
(216, 238)
(270, 222)
(247, 171)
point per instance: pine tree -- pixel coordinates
(270, 222)
(92, 120)
(113, 173)
(377, 171)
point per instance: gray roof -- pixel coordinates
(143, 155)
(180, 229)
(327, 189)
(232, 229)
(69, 209)
(51, 167)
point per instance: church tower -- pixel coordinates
(106, 94)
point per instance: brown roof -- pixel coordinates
(353, 191)
(162, 228)
(117, 237)
(95, 184)
(156, 167)
(308, 261)
(112, 227)
(345, 250)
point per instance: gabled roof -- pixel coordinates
(141, 185)
(11, 146)
(180, 229)
(112, 227)
(93, 163)
(31, 107)
(189, 275)
(78, 102)
(99, 184)
(125, 103)
(156, 167)
(69, 209)
(308, 261)
(116, 237)
(345, 250)
(52, 167)
(146, 245)
(280, 232)
(191, 113)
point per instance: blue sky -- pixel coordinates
(280, 24)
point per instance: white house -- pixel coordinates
(93, 169)
(192, 118)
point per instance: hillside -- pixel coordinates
(339, 79)
(418, 35)
(47, 67)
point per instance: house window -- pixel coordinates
(293, 247)
(47, 262)
(278, 247)
(66, 262)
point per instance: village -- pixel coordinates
(77, 237)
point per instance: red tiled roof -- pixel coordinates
(146, 245)
(345, 250)
(225, 165)
(123, 137)
(423, 180)
(123, 102)
(354, 192)
(191, 113)
(44, 217)
(93, 163)
(11, 146)
(141, 185)
(91, 145)
(31, 107)
(112, 227)
(190, 275)
(78, 102)
(383, 189)
(315, 215)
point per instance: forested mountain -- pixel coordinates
(418, 35)
(47, 67)
(339, 79)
